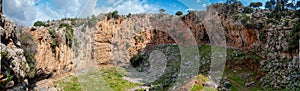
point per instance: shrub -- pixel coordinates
(255, 4)
(40, 23)
(162, 10)
(136, 60)
(29, 47)
(249, 25)
(129, 15)
(178, 13)
(294, 37)
(69, 36)
(237, 17)
(248, 10)
(263, 35)
(259, 25)
(55, 40)
(5, 82)
(92, 21)
(112, 15)
(74, 21)
(246, 18)
(66, 25)
(297, 13)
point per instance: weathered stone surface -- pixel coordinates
(14, 67)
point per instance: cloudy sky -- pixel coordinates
(25, 12)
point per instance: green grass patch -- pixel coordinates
(70, 84)
(209, 89)
(111, 77)
(114, 78)
(197, 87)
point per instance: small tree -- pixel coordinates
(269, 5)
(248, 10)
(40, 23)
(129, 15)
(179, 13)
(162, 10)
(69, 36)
(259, 4)
(229, 1)
(255, 4)
(28, 45)
(297, 5)
(113, 14)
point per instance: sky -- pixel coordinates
(26, 12)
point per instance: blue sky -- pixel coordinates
(25, 12)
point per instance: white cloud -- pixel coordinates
(204, 5)
(134, 6)
(25, 12)
(19, 10)
(128, 6)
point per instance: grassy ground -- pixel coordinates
(111, 76)
(199, 85)
(69, 84)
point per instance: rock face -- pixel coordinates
(53, 58)
(268, 42)
(65, 45)
(14, 67)
(56, 59)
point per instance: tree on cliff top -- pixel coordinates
(178, 13)
(40, 23)
(162, 10)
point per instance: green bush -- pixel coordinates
(113, 15)
(29, 47)
(294, 37)
(263, 35)
(4, 83)
(248, 10)
(178, 13)
(69, 36)
(74, 21)
(129, 15)
(246, 18)
(162, 10)
(136, 60)
(55, 39)
(52, 33)
(238, 17)
(249, 25)
(40, 23)
(92, 21)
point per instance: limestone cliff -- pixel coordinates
(68, 45)
(14, 67)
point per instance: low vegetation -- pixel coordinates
(294, 37)
(56, 40)
(179, 13)
(29, 47)
(40, 23)
(113, 15)
(112, 77)
(69, 35)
